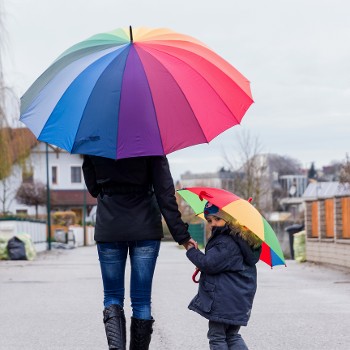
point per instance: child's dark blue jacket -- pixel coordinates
(228, 278)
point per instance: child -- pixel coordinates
(228, 278)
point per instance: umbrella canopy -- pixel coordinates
(243, 211)
(129, 93)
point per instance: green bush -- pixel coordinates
(299, 246)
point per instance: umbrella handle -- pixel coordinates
(195, 274)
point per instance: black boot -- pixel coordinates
(140, 334)
(114, 320)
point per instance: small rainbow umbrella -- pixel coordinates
(135, 92)
(243, 211)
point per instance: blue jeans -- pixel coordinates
(225, 337)
(143, 257)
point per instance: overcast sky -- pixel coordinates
(296, 53)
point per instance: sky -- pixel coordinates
(295, 53)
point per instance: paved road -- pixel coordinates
(55, 302)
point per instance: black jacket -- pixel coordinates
(131, 195)
(228, 279)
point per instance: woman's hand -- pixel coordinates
(190, 244)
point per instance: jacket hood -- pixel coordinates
(250, 254)
(247, 235)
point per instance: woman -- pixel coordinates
(131, 195)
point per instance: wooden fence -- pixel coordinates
(328, 230)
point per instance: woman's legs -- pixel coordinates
(112, 258)
(143, 258)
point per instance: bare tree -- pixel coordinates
(5, 157)
(32, 193)
(344, 176)
(9, 107)
(251, 171)
(257, 174)
(7, 193)
(14, 145)
(284, 165)
(279, 166)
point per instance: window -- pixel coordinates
(27, 173)
(27, 178)
(75, 174)
(54, 174)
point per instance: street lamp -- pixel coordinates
(48, 206)
(84, 216)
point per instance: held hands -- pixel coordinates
(190, 244)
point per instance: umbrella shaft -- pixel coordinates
(131, 37)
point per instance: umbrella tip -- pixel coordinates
(250, 199)
(131, 37)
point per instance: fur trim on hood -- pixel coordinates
(251, 238)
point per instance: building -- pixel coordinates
(293, 188)
(327, 223)
(293, 185)
(221, 179)
(63, 170)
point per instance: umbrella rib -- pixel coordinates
(85, 106)
(153, 104)
(163, 43)
(121, 91)
(53, 69)
(138, 47)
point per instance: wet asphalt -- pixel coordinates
(55, 302)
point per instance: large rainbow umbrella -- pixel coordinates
(135, 92)
(243, 211)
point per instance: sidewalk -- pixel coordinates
(55, 302)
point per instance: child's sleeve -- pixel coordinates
(217, 259)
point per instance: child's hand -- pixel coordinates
(190, 244)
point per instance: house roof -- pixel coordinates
(71, 197)
(325, 190)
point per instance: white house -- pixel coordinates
(64, 174)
